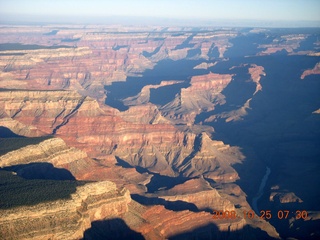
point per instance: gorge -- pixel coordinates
(138, 129)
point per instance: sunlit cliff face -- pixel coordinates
(152, 128)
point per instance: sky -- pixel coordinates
(191, 10)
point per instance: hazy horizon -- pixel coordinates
(271, 13)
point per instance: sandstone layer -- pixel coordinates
(86, 60)
(84, 124)
(65, 219)
(54, 84)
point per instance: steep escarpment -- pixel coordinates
(144, 95)
(288, 43)
(146, 114)
(53, 151)
(86, 59)
(162, 221)
(41, 199)
(20, 128)
(200, 195)
(156, 223)
(89, 203)
(237, 110)
(104, 134)
(175, 141)
(65, 219)
(49, 110)
(159, 147)
(203, 94)
(198, 192)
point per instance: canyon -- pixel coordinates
(149, 128)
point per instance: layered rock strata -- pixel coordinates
(203, 94)
(53, 151)
(100, 131)
(85, 60)
(65, 219)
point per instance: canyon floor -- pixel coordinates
(112, 132)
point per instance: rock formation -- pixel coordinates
(96, 201)
(52, 150)
(315, 70)
(53, 93)
(288, 43)
(82, 123)
(67, 218)
(203, 94)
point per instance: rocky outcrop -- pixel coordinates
(144, 96)
(284, 197)
(20, 128)
(48, 110)
(159, 147)
(146, 114)
(198, 192)
(53, 151)
(156, 222)
(68, 218)
(211, 40)
(316, 111)
(62, 93)
(204, 65)
(315, 70)
(213, 159)
(203, 94)
(86, 59)
(256, 72)
(288, 43)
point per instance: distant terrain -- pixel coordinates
(129, 131)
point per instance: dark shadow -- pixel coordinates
(19, 46)
(237, 92)
(193, 53)
(16, 191)
(70, 40)
(157, 181)
(170, 205)
(170, 92)
(14, 143)
(117, 229)
(112, 229)
(118, 47)
(246, 45)
(7, 133)
(211, 232)
(308, 230)
(52, 33)
(41, 170)
(162, 182)
(186, 43)
(164, 70)
(213, 52)
(196, 149)
(122, 163)
(280, 129)
(12, 54)
(308, 43)
(150, 54)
